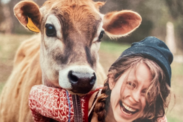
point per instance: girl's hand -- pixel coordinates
(163, 119)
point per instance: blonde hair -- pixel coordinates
(156, 95)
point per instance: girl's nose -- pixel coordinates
(135, 95)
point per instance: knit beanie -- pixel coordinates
(154, 49)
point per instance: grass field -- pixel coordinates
(108, 54)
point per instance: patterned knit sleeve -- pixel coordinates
(49, 103)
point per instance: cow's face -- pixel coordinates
(71, 32)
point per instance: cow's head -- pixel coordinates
(71, 33)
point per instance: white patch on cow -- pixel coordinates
(51, 46)
(98, 30)
(94, 50)
(96, 44)
(42, 10)
(46, 66)
(112, 36)
(54, 43)
(52, 19)
(63, 75)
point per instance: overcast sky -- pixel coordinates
(5, 1)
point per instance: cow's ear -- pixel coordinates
(122, 23)
(28, 14)
(99, 4)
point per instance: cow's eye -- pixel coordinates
(50, 30)
(101, 35)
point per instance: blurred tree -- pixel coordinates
(16, 27)
(40, 2)
(176, 12)
(1, 12)
(175, 7)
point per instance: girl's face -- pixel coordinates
(127, 100)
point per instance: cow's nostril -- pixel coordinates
(93, 79)
(72, 77)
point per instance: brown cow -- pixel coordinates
(64, 54)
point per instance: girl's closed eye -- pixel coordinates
(131, 84)
(143, 92)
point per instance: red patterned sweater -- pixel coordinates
(48, 104)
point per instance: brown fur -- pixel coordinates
(26, 73)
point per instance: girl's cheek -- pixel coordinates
(125, 92)
(143, 99)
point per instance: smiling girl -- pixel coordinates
(138, 84)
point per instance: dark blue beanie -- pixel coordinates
(155, 50)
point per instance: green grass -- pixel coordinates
(175, 112)
(177, 69)
(1, 86)
(173, 119)
(8, 46)
(109, 52)
(111, 47)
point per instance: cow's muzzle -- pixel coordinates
(81, 83)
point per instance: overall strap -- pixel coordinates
(99, 91)
(77, 109)
(69, 103)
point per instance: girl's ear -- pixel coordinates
(111, 82)
(28, 14)
(121, 23)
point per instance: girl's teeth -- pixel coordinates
(128, 108)
(127, 113)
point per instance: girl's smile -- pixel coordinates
(127, 110)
